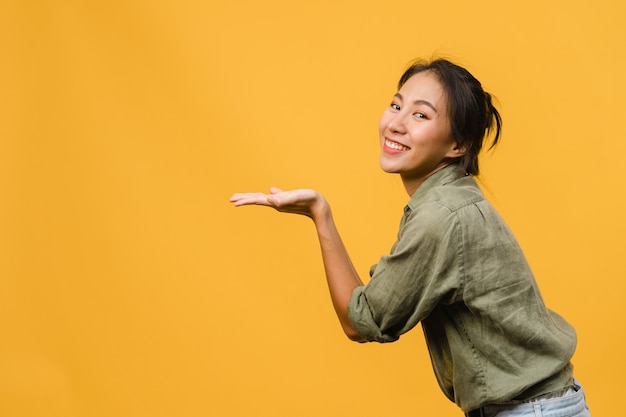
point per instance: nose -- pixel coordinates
(396, 123)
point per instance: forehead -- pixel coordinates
(424, 85)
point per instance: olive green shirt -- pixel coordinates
(457, 268)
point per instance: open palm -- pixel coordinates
(301, 201)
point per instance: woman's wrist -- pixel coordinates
(320, 209)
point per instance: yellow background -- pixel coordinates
(129, 286)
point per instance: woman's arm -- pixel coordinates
(341, 276)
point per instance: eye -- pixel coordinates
(420, 115)
(395, 107)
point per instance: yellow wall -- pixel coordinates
(130, 287)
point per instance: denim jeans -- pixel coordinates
(571, 404)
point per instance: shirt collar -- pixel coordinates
(444, 176)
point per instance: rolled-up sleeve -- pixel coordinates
(423, 269)
(363, 320)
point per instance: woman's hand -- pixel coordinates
(303, 201)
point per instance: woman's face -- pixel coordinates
(415, 131)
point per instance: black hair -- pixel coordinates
(471, 111)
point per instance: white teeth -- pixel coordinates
(396, 146)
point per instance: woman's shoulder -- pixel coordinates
(441, 210)
(451, 196)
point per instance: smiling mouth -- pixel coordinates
(395, 145)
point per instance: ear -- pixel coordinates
(457, 150)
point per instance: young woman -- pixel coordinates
(455, 268)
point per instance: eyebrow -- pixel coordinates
(418, 102)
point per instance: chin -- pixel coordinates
(388, 170)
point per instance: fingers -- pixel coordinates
(277, 198)
(272, 198)
(244, 199)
